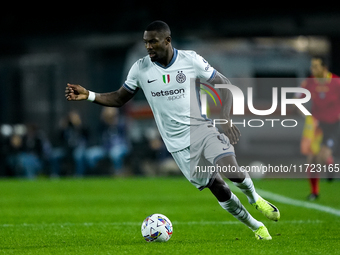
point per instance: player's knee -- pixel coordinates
(323, 155)
(220, 190)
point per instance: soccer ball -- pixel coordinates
(156, 227)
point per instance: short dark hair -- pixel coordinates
(159, 26)
(323, 60)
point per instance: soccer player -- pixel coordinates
(324, 87)
(165, 77)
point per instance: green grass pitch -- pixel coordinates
(104, 216)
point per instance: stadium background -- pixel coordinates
(41, 52)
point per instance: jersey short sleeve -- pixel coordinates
(131, 84)
(203, 69)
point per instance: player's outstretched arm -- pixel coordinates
(232, 132)
(113, 99)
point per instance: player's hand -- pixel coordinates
(76, 92)
(232, 132)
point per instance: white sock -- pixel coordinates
(234, 206)
(247, 187)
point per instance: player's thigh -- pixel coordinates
(324, 154)
(230, 168)
(220, 153)
(217, 146)
(220, 189)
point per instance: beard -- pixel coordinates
(153, 56)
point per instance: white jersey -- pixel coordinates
(167, 89)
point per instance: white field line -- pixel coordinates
(290, 201)
(264, 193)
(90, 224)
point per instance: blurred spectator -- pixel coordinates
(5, 132)
(159, 160)
(113, 143)
(27, 149)
(158, 151)
(73, 138)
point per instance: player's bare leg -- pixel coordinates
(324, 157)
(243, 181)
(313, 179)
(220, 189)
(232, 204)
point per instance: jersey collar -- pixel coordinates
(325, 80)
(171, 62)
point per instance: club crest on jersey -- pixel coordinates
(180, 78)
(166, 78)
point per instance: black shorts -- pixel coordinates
(330, 133)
